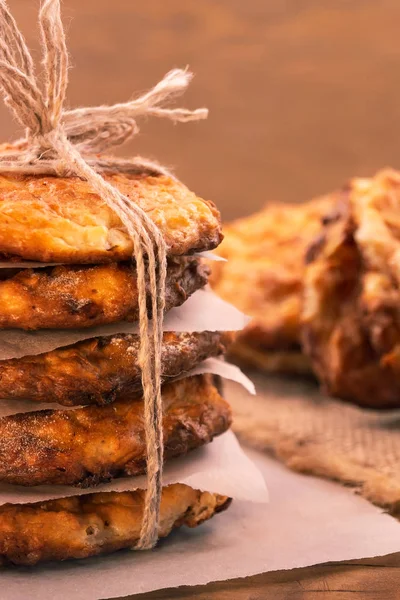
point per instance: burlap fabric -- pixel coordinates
(314, 434)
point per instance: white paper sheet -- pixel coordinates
(307, 521)
(226, 370)
(203, 311)
(211, 256)
(220, 467)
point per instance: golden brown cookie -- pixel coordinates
(86, 446)
(58, 219)
(263, 277)
(70, 297)
(351, 312)
(292, 361)
(98, 370)
(93, 524)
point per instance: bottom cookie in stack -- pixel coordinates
(93, 524)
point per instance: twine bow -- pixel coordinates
(64, 142)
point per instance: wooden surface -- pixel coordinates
(373, 579)
(303, 94)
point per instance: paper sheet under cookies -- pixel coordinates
(215, 366)
(220, 467)
(203, 311)
(307, 521)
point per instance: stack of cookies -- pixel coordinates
(81, 277)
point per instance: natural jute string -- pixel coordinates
(63, 142)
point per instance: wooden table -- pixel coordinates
(372, 579)
(303, 95)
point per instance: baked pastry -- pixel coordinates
(322, 281)
(94, 444)
(58, 219)
(93, 524)
(98, 370)
(71, 296)
(263, 277)
(351, 310)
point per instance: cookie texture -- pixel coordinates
(101, 369)
(263, 277)
(291, 361)
(93, 524)
(70, 297)
(90, 445)
(58, 219)
(351, 310)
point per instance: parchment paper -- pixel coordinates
(220, 467)
(203, 311)
(307, 521)
(216, 366)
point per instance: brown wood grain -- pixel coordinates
(372, 579)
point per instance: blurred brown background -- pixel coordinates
(302, 93)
